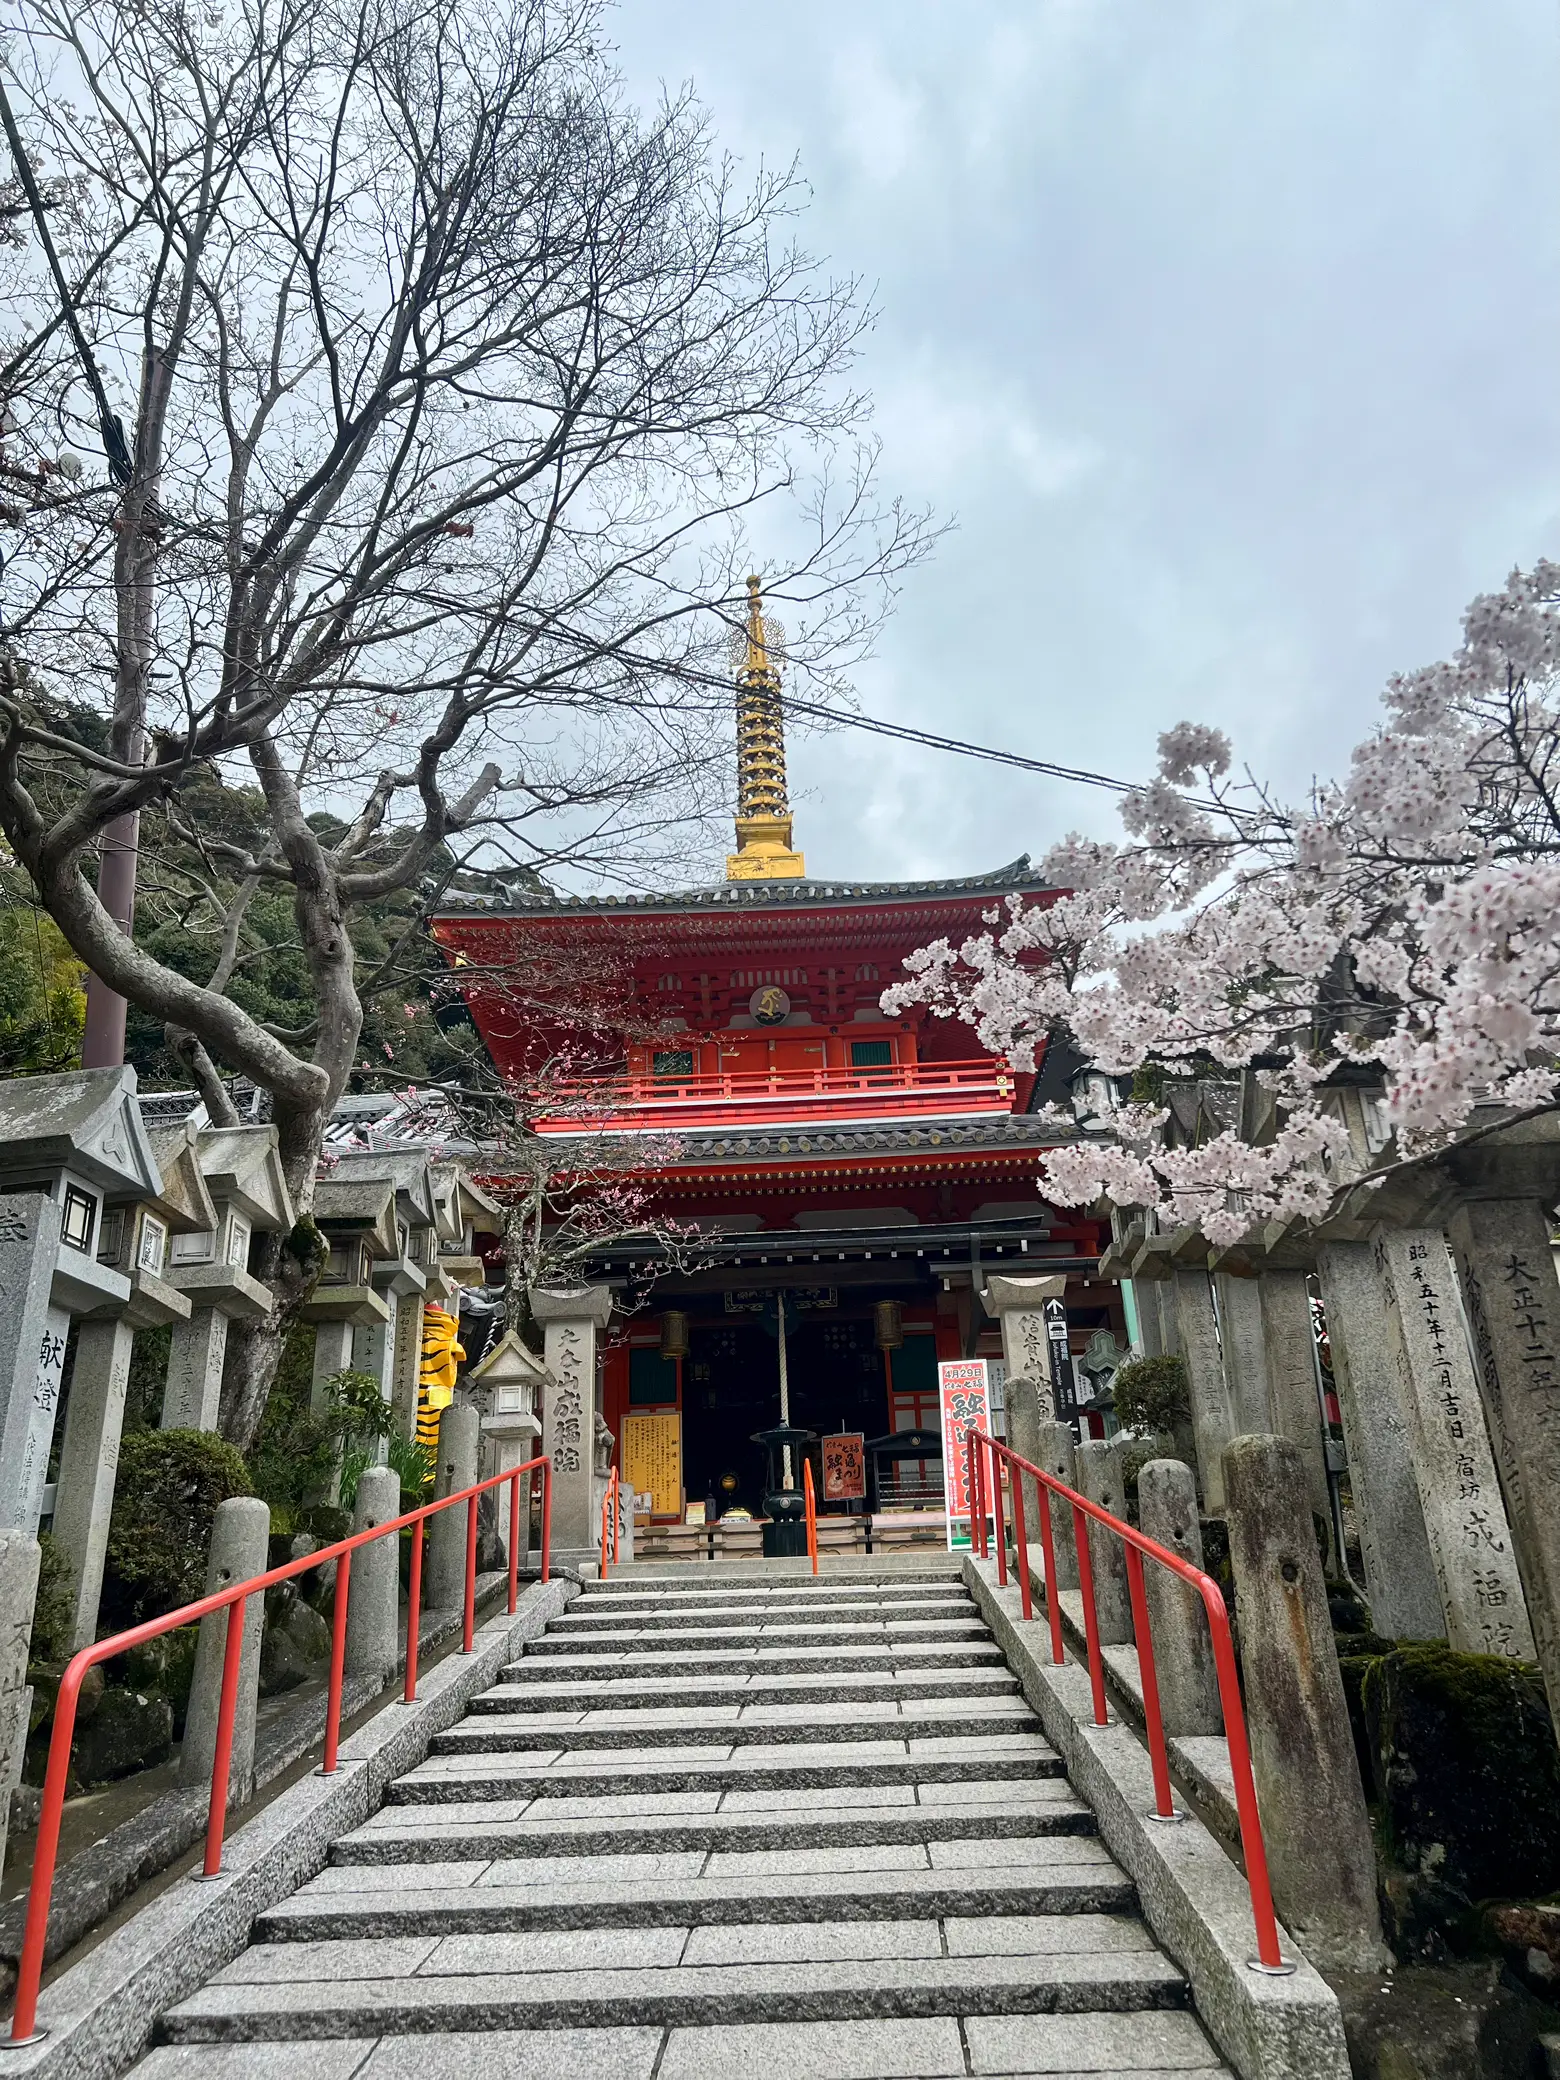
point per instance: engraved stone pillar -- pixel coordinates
(1400, 1578)
(32, 1354)
(1508, 1274)
(1212, 1428)
(1019, 1306)
(1470, 1538)
(1244, 1353)
(192, 1398)
(240, 1536)
(1290, 1343)
(444, 1576)
(572, 1322)
(89, 1462)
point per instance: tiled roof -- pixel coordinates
(1017, 876)
(890, 1137)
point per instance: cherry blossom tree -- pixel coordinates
(1400, 925)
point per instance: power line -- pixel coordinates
(932, 741)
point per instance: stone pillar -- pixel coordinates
(32, 1357)
(1024, 1403)
(192, 1398)
(1099, 1479)
(1471, 1543)
(1290, 1343)
(408, 1357)
(1400, 1578)
(1508, 1274)
(444, 1573)
(1146, 1295)
(373, 1600)
(1198, 1337)
(1244, 1353)
(332, 1354)
(1058, 1450)
(240, 1540)
(18, 1594)
(1178, 1624)
(374, 1352)
(89, 1461)
(1320, 1856)
(1019, 1306)
(572, 1322)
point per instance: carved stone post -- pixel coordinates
(1212, 1427)
(1400, 1577)
(572, 1322)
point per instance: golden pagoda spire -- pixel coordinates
(763, 814)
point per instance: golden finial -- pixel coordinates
(763, 814)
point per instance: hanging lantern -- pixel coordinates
(886, 1325)
(674, 1333)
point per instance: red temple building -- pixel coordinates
(827, 1153)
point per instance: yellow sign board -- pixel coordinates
(652, 1459)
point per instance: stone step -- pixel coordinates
(1069, 1874)
(701, 1638)
(764, 1578)
(764, 1615)
(825, 1596)
(551, 1827)
(531, 1691)
(491, 1729)
(1035, 2047)
(486, 1982)
(669, 1660)
(800, 1766)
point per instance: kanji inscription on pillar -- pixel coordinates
(1464, 1511)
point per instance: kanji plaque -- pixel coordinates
(844, 1467)
(652, 1459)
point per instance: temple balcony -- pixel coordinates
(894, 1090)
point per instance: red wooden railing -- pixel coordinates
(810, 1505)
(987, 1460)
(896, 1087)
(234, 1600)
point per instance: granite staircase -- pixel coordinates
(716, 1820)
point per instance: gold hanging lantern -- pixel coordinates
(674, 1333)
(887, 1326)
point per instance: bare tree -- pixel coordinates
(441, 394)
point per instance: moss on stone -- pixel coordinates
(1462, 1754)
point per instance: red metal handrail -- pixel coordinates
(986, 1452)
(810, 1506)
(234, 1600)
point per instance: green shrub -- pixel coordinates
(54, 1611)
(299, 1449)
(1152, 1394)
(165, 1498)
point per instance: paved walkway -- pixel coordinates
(716, 1821)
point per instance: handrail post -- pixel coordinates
(1021, 1544)
(29, 1975)
(414, 1611)
(1148, 1675)
(1270, 1956)
(338, 1655)
(222, 1761)
(468, 1623)
(998, 1521)
(1091, 1618)
(810, 1504)
(546, 1519)
(514, 1541)
(1053, 1601)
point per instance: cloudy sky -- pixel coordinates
(1224, 329)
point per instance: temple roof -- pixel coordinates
(1017, 876)
(697, 1145)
